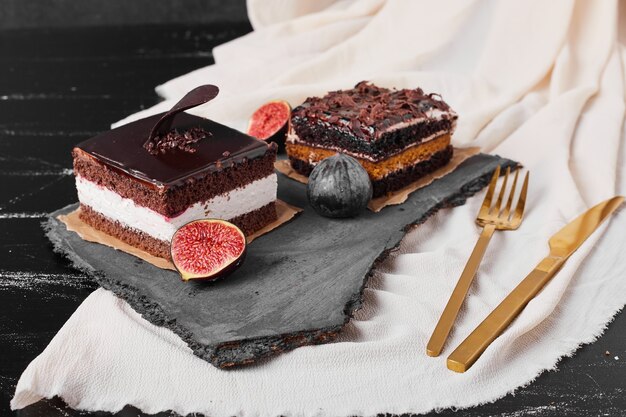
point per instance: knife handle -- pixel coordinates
(451, 311)
(475, 344)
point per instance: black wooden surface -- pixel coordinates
(59, 87)
(20, 14)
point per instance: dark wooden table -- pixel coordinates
(58, 87)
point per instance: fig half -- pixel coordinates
(270, 122)
(207, 249)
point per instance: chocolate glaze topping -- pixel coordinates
(368, 110)
(123, 150)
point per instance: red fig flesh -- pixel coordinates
(270, 122)
(207, 249)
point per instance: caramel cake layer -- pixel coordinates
(376, 170)
(397, 179)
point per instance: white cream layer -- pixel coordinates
(224, 206)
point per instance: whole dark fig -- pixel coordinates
(339, 187)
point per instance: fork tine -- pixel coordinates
(496, 208)
(521, 203)
(509, 203)
(484, 209)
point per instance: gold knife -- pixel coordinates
(562, 245)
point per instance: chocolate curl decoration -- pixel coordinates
(194, 98)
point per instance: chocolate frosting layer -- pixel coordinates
(122, 149)
(368, 111)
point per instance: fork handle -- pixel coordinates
(448, 317)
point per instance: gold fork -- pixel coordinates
(491, 219)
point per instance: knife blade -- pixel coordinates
(562, 245)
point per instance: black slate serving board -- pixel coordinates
(298, 285)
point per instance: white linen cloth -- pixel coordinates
(541, 82)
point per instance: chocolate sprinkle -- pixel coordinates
(366, 110)
(174, 139)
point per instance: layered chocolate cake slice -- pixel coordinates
(142, 181)
(397, 135)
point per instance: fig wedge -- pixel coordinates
(270, 122)
(207, 249)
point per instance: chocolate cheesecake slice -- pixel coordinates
(196, 169)
(397, 135)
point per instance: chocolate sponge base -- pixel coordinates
(133, 237)
(249, 223)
